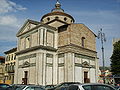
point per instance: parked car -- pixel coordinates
(4, 86)
(65, 84)
(47, 87)
(62, 88)
(90, 86)
(117, 87)
(27, 87)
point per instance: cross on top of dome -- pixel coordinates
(57, 2)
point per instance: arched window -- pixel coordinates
(83, 41)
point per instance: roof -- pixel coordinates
(85, 26)
(11, 50)
(37, 26)
(2, 58)
(28, 21)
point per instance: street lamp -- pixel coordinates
(101, 36)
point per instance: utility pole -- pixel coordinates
(101, 36)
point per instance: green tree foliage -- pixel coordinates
(115, 59)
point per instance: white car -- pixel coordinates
(90, 86)
(118, 88)
(28, 87)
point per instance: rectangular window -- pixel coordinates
(9, 58)
(12, 57)
(27, 41)
(34, 41)
(22, 43)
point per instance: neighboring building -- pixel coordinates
(109, 79)
(55, 50)
(10, 65)
(2, 70)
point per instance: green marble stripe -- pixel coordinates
(61, 65)
(31, 65)
(78, 64)
(92, 66)
(50, 31)
(81, 65)
(49, 64)
(27, 56)
(49, 55)
(61, 55)
(84, 57)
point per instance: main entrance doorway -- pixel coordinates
(24, 80)
(86, 79)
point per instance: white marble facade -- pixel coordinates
(48, 68)
(42, 61)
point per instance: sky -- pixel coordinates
(95, 14)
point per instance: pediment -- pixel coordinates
(86, 64)
(28, 25)
(56, 23)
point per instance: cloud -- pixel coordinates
(9, 23)
(6, 19)
(9, 6)
(9, 20)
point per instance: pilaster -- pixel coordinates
(69, 67)
(56, 40)
(44, 69)
(41, 36)
(45, 37)
(16, 72)
(55, 68)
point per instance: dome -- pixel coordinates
(57, 14)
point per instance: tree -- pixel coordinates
(115, 60)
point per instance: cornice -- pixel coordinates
(36, 48)
(77, 49)
(56, 20)
(44, 25)
(28, 21)
(11, 50)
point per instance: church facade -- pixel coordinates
(55, 50)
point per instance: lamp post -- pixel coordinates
(101, 36)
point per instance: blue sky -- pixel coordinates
(95, 14)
